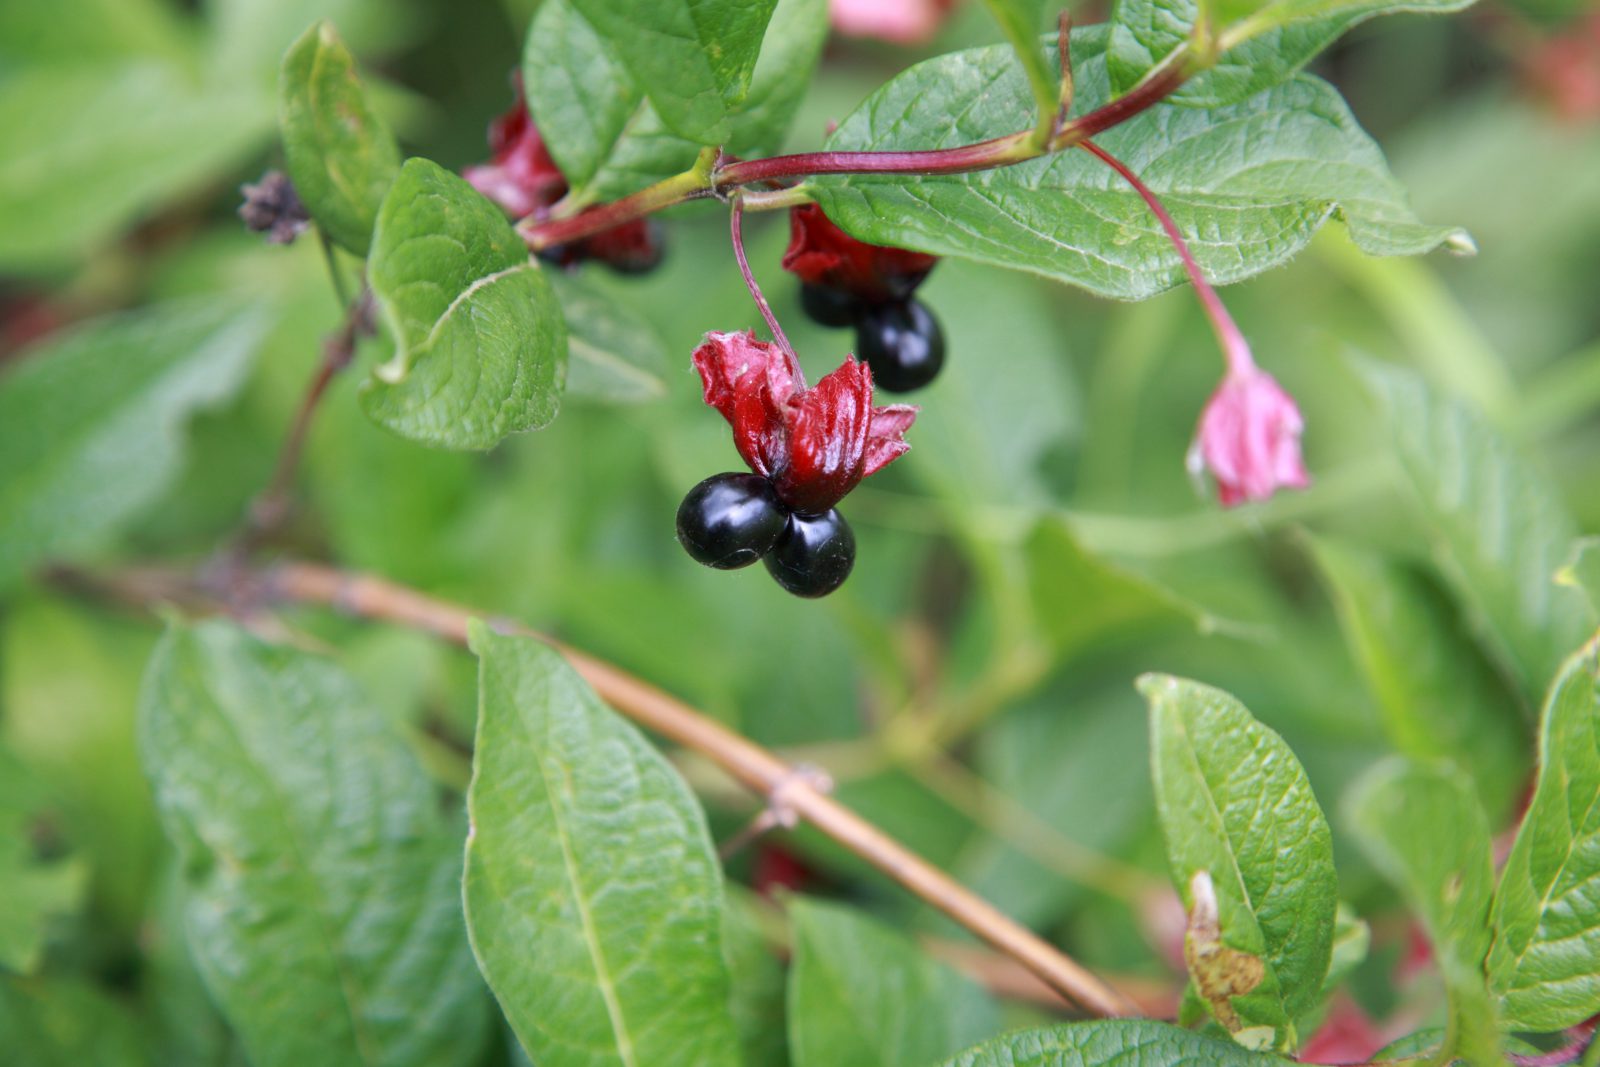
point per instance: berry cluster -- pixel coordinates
(807, 448)
(523, 179)
(846, 282)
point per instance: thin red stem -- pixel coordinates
(736, 217)
(981, 156)
(1235, 349)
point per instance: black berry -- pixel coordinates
(730, 520)
(902, 343)
(830, 307)
(813, 555)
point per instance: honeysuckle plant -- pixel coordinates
(909, 815)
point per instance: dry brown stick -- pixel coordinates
(748, 763)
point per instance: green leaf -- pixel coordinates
(1499, 530)
(319, 873)
(37, 888)
(1437, 695)
(1421, 825)
(1235, 805)
(65, 1022)
(1545, 963)
(1247, 184)
(594, 899)
(481, 348)
(1285, 35)
(757, 981)
(1109, 1043)
(340, 154)
(609, 140)
(692, 58)
(862, 995)
(613, 353)
(90, 423)
(90, 148)
(1020, 20)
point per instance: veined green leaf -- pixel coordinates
(1423, 828)
(593, 897)
(608, 138)
(91, 423)
(341, 156)
(1285, 35)
(613, 354)
(481, 347)
(1498, 527)
(1545, 963)
(1251, 855)
(1248, 184)
(319, 873)
(692, 58)
(862, 995)
(1109, 1043)
(1437, 694)
(1020, 19)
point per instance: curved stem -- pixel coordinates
(1234, 347)
(735, 217)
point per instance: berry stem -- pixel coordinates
(1235, 349)
(735, 218)
(702, 182)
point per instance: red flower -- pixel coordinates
(523, 178)
(820, 253)
(815, 444)
(1249, 438)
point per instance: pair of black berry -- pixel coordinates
(731, 520)
(899, 339)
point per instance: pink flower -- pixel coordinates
(895, 21)
(1249, 438)
(814, 444)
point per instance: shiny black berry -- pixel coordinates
(830, 307)
(730, 520)
(813, 555)
(902, 343)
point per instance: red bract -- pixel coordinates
(820, 253)
(1249, 438)
(815, 444)
(523, 178)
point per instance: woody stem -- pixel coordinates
(736, 216)
(1234, 347)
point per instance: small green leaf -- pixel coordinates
(91, 423)
(609, 140)
(692, 58)
(594, 899)
(37, 888)
(91, 147)
(1437, 694)
(341, 156)
(1423, 828)
(1582, 571)
(1251, 855)
(319, 873)
(863, 995)
(1109, 1043)
(481, 347)
(1286, 34)
(613, 354)
(1545, 964)
(1248, 184)
(1499, 528)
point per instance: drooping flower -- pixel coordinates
(820, 253)
(523, 178)
(1249, 437)
(815, 444)
(896, 21)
